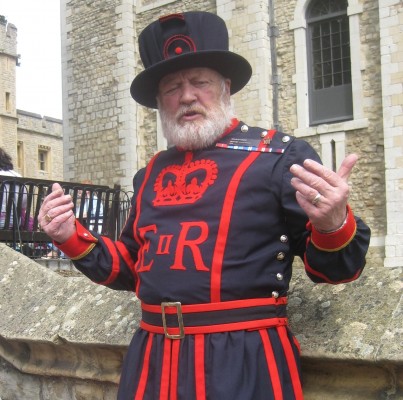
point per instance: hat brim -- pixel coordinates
(144, 87)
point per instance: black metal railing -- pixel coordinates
(99, 208)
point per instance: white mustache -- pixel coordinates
(190, 110)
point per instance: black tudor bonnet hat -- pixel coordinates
(186, 40)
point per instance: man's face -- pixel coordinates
(195, 107)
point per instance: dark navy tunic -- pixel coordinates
(212, 226)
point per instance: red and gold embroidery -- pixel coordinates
(186, 183)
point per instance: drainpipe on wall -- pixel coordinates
(273, 33)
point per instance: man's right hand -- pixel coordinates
(56, 217)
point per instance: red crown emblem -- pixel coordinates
(184, 184)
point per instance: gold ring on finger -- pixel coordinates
(316, 199)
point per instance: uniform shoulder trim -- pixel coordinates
(247, 138)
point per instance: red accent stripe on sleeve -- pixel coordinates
(291, 362)
(125, 254)
(200, 377)
(218, 256)
(115, 261)
(174, 370)
(336, 240)
(323, 277)
(79, 244)
(144, 372)
(271, 365)
(165, 373)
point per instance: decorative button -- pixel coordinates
(285, 139)
(274, 294)
(263, 134)
(280, 256)
(85, 234)
(279, 277)
(283, 238)
(244, 128)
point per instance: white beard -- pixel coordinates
(198, 134)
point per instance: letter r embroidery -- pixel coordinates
(193, 245)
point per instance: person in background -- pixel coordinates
(7, 169)
(215, 224)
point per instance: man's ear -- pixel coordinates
(228, 86)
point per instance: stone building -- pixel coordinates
(65, 338)
(35, 143)
(107, 136)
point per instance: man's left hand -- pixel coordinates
(323, 193)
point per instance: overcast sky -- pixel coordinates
(39, 82)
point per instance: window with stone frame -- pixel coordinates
(20, 156)
(329, 64)
(43, 158)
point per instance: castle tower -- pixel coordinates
(8, 112)
(99, 116)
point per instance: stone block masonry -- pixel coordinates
(65, 337)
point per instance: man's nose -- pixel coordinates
(188, 94)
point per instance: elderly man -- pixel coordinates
(215, 223)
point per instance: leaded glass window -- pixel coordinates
(330, 95)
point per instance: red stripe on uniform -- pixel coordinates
(144, 372)
(165, 373)
(271, 365)
(174, 370)
(138, 210)
(322, 276)
(224, 305)
(337, 240)
(291, 362)
(200, 378)
(218, 255)
(234, 326)
(115, 261)
(125, 254)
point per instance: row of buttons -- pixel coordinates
(280, 257)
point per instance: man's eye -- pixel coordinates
(171, 90)
(201, 83)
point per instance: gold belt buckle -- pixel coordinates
(181, 327)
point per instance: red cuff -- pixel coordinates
(337, 240)
(79, 244)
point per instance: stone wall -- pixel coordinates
(8, 59)
(65, 337)
(21, 129)
(98, 60)
(36, 132)
(391, 21)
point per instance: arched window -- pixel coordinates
(329, 64)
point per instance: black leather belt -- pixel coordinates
(174, 320)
